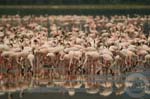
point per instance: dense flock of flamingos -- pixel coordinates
(72, 52)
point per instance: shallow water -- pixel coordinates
(56, 93)
(66, 96)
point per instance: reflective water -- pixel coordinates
(66, 96)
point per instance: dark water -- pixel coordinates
(106, 12)
(65, 96)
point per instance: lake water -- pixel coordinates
(106, 12)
